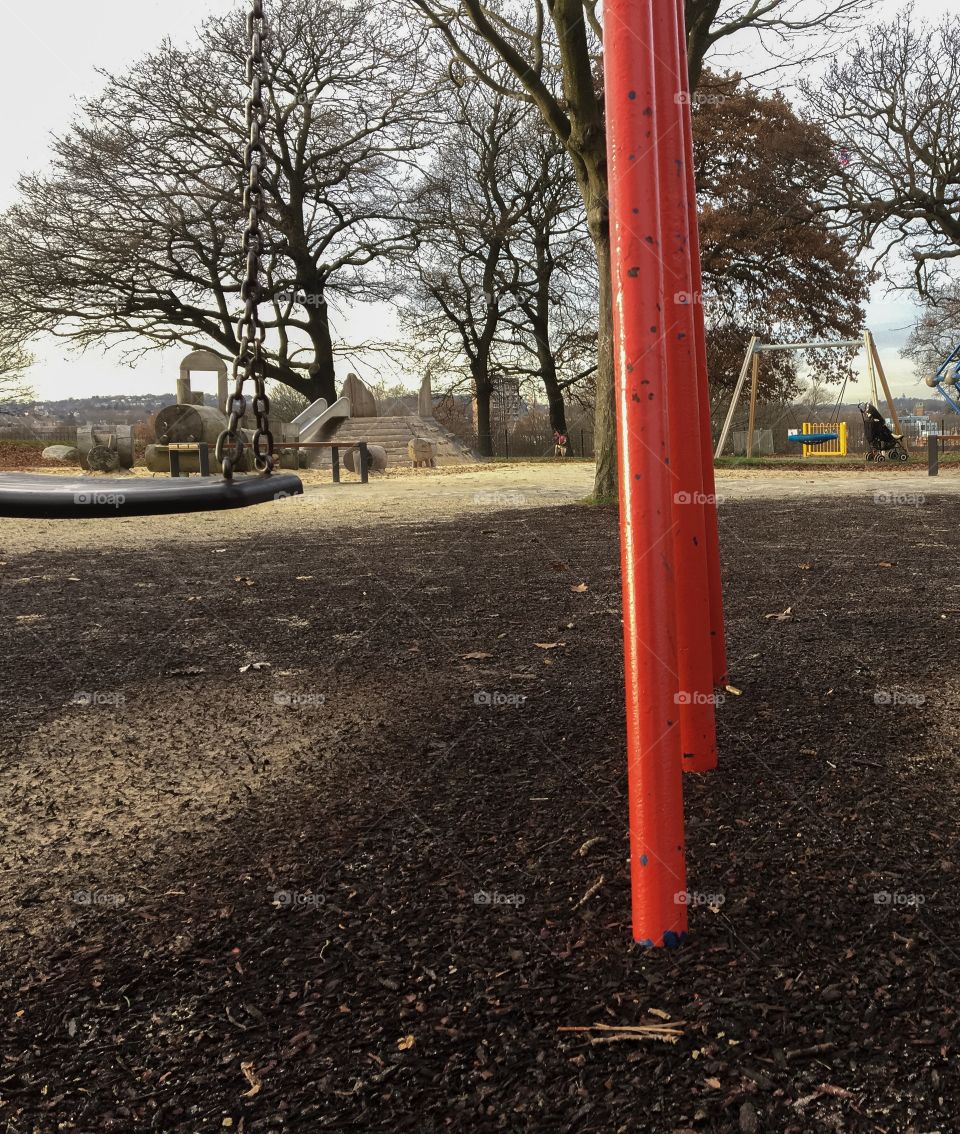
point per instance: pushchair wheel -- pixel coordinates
(903, 455)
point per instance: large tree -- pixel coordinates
(551, 50)
(773, 265)
(132, 236)
(892, 105)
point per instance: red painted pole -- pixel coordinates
(657, 864)
(714, 582)
(694, 655)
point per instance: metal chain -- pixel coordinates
(250, 360)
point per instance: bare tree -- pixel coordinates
(465, 212)
(548, 55)
(15, 361)
(133, 236)
(789, 32)
(937, 331)
(554, 281)
(285, 402)
(892, 105)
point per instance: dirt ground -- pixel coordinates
(408, 496)
(299, 816)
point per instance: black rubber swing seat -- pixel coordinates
(39, 497)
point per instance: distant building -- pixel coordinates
(506, 405)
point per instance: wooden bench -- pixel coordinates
(203, 448)
(200, 447)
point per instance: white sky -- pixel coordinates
(54, 47)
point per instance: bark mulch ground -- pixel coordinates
(348, 889)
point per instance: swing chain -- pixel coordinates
(250, 360)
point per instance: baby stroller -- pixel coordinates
(882, 444)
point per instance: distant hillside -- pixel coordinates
(104, 408)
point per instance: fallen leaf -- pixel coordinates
(303, 578)
(884, 563)
(257, 665)
(245, 581)
(256, 1086)
(478, 656)
(580, 588)
(804, 566)
(784, 615)
(713, 1084)
(658, 1012)
(548, 645)
(406, 1043)
(591, 890)
(734, 690)
(837, 1092)
(188, 671)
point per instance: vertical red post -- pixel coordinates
(694, 654)
(714, 583)
(657, 862)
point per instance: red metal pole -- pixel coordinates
(657, 865)
(694, 655)
(714, 582)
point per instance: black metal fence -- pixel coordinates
(521, 443)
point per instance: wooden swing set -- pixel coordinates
(813, 435)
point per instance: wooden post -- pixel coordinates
(754, 382)
(875, 354)
(738, 389)
(871, 370)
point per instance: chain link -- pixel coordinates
(250, 361)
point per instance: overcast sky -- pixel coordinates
(53, 50)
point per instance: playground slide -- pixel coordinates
(318, 414)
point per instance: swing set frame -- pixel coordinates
(751, 365)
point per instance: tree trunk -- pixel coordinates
(483, 391)
(605, 414)
(555, 402)
(548, 375)
(538, 313)
(323, 372)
